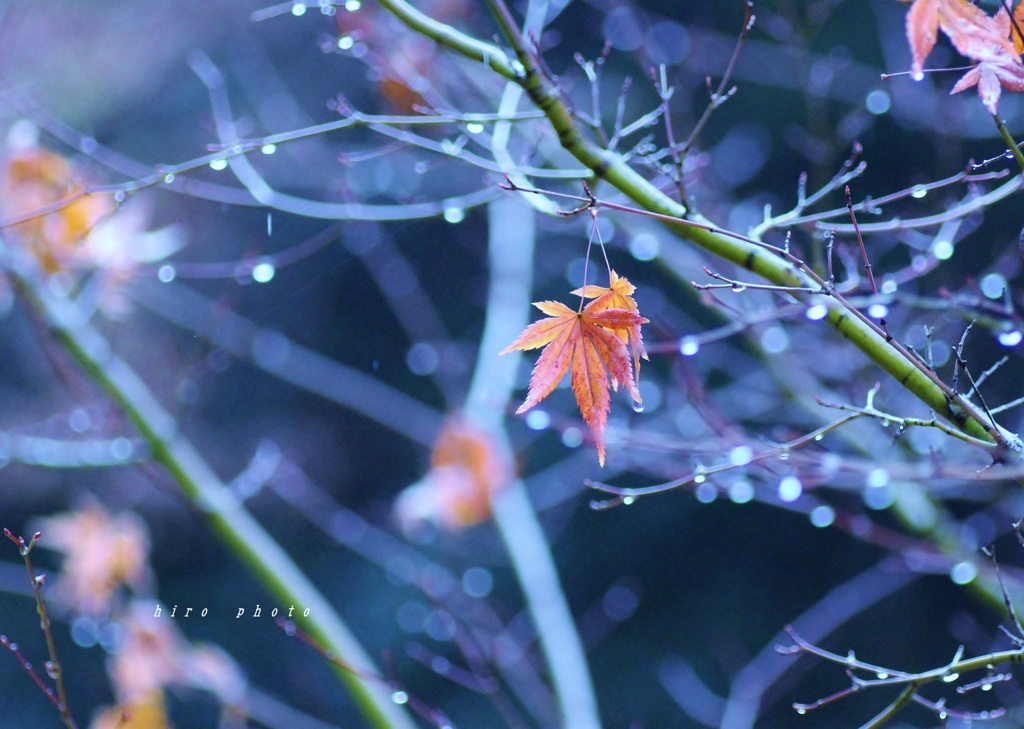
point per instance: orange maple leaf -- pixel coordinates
(618, 294)
(973, 33)
(1002, 70)
(980, 37)
(593, 343)
(467, 471)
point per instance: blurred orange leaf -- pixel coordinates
(466, 472)
(34, 178)
(590, 342)
(101, 552)
(147, 712)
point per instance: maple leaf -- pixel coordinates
(973, 33)
(1003, 70)
(467, 470)
(590, 342)
(618, 294)
(991, 78)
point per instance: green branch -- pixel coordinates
(760, 260)
(1011, 143)
(485, 53)
(224, 513)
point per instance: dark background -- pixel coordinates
(663, 588)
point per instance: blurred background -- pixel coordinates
(312, 340)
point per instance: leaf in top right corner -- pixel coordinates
(1001, 68)
(973, 33)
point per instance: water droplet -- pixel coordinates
(121, 448)
(51, 670)
(706, 493)
(79, 420)
(741, 492)
(963, 573)
(919, 192)
(454, 215)
(986, 687)
(801, 711)
(268, 148)
(119, 197)
(688, 346)
(263, 272)
(878, 102)
(644, 246)
(638, 407)
(169, 178)
(474, 127)
(992, 285)
(943, 250)
(298, 9)
(882, 675)
(878, 477)
(879, 497)
(741, 455)
(790, 489)
(423, 359)
(218, 164)
(774, 340)
(627, 500)
(1010, 338)
(477, 582)
(950, 677)
(817, 312)
(918, 76)
(400, 697)
(538, 419)
(572, 437)
(739, 288)
(878, 311)
(166, 273)
(822, 516)
(346, 42)
(353, 5)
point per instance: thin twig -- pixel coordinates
(722, 94)
(53, 667)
